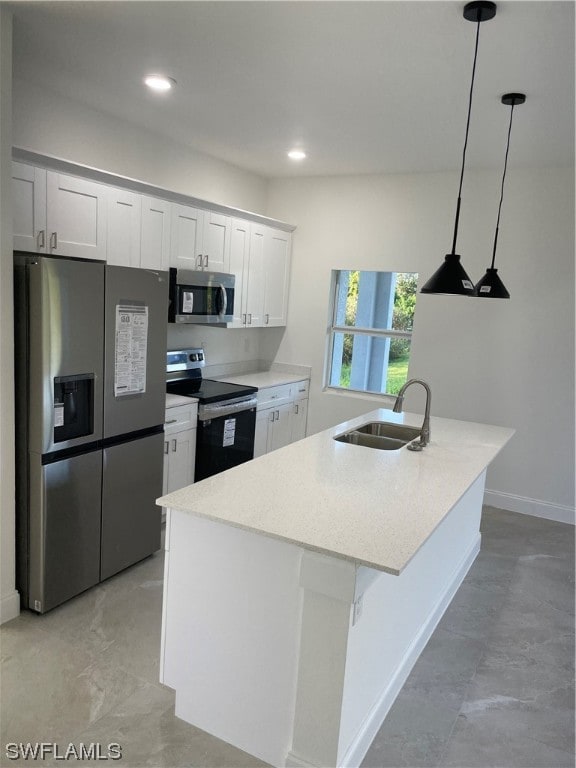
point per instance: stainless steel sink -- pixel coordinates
(380, 435)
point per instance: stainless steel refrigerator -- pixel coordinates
(90, 353)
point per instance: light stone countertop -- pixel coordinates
(264, 378)
(376, 508)
(174, 400)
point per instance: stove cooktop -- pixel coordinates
(184, 377)
(208, 390)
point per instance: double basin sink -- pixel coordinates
(381, 435)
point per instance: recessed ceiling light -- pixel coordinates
(159, 82)
(296, 154)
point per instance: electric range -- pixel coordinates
(226, 412)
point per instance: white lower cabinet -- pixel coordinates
(179, 447)
(280, 417)
(299, 416)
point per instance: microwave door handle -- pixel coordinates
(224, 300)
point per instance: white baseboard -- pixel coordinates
(365, 736)
(526, 506)
(9, 607)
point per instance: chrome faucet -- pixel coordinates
(425, 431)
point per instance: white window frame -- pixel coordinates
(334, 328)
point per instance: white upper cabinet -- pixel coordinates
(29, 208)
(216, 242)
(186, 238)
(56, 213)
(155, 240)
(277, 276)
(76, 216)
(254, 283)
(260, 259)
(200, 239)
(124, 224)
(239, 256)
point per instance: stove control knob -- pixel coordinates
(193, 358)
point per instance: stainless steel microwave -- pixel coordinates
(201, 297)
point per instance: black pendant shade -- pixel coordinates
(490, 286)
(451, 277)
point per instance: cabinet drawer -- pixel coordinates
(300, 390)
(271, 396)
(180, 417)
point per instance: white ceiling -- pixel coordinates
(363, 87)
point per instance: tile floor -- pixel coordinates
(493, 687)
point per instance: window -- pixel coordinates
(371, 330)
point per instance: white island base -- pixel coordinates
(296, 656)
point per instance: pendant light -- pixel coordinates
(451, 276)
(490, 286)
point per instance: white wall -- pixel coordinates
(9, 601)
(47, 122)
(508, 363)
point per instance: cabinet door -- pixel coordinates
(155, 240)
(181, 458)
(29, 208)
(255, 282)
(299, 415)
(277, 273)
(124, 223)
(239, 261)
(216, 242)
(263, 419)
(76, 216)
(186, 239)
(281, 432)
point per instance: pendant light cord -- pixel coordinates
(502, 187)
(466, 136)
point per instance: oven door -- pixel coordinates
(201, 297)
(225, 436)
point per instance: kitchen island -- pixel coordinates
(301, 587)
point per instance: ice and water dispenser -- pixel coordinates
(73, 406)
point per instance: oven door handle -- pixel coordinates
(216, 410)
(224, 304)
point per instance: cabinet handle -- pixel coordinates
(277, 415)
(171, 421)
(54, 240)
(249, 318)
(166, 447)
(296, 407)
(199, 261)
(244, 319)
(173, 445)
(206, 261)
(266, 319)
(41, 239)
